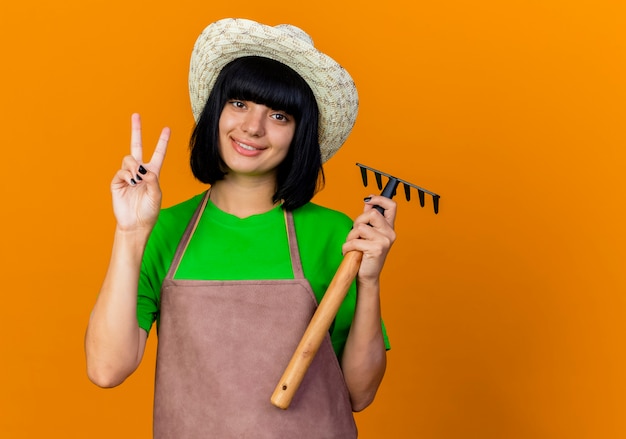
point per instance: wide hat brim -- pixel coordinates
(231, 38)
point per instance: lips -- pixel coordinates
(246, 148)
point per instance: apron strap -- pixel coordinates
(296, 263)
(184, 241)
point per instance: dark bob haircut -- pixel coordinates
(271, 83)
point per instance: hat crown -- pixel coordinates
(295, 32)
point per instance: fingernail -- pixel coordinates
(133, 182)
(138, 177)
(142, 170)
(366, 199)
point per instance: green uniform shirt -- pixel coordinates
(225, 247)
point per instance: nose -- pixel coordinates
(253, 122)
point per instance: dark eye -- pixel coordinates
(237, 104)
(281, 117)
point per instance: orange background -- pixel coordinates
(506, 311)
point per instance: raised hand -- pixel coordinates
(373, 234)
(135, 187)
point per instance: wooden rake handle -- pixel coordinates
(317, 330)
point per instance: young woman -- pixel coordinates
(232, 276)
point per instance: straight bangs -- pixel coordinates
(268, 82)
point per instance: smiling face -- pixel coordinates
(239, 130)
(253, 138)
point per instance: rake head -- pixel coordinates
(392, 184)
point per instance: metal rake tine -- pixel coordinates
(379, 180)
(364, 176)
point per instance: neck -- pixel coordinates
(243, 197)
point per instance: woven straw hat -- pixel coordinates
(230, 38)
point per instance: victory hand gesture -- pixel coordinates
(135, 187)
